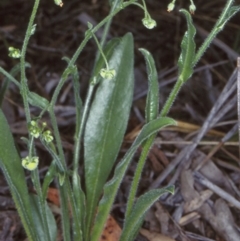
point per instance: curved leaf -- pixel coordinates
(107, 123)
(152, 104)
(13, 171)
(134, 221)
(110, 188)
(186, 59)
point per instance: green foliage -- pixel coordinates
(10, 163)
(38, 223)
(133, 223)
(107, 121)
(101, 123)
(185, 62)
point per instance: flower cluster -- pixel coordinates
(107, 73)
(30, 163)
(192, 7)
(14, 53)
(37, 131)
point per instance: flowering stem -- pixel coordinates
(24, 86)
(42, 202)
(100, 50)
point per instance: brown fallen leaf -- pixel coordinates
(153, 236)
(112, 230)
(53, 196)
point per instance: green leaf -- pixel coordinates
(152, 104)
(10, 163)
(37, 100)
(51, 224)
(79, 208)
(225, 17)
(107, 122)
(50, 175)
(111, 187)
(134, 221)
(186, 59)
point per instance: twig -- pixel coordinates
(219, 191)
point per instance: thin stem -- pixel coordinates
(24, 86)
(82, 45)
(138, 172)
(42, 204)
(81, 129)
(57, 138)
(106, 28)
(101, 51)
(178, 85)
(216, 29)
(9, 76)
(64, 194)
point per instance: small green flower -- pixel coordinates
(34, 129)
(47, 136)
(171, 6)
(108, 73)
(30, 163)
(192, 8)
(149, 23)
(14, 53)
(58, 2)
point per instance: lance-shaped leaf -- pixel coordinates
(107, 122)
(134, 221)
(152, 104)
(186, 59)
(227, 15)
(51, 223)
(13, 171)
(111, 188)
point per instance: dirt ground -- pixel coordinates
(200, 156)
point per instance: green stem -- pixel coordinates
(137, 175)
(216, 29)
(37, 185)
(82, 125)
(64, 194)
(24, 86)
(9, 76)
(83, 44)
(178, 85)
(14, 71)
(101, 51)
(57, 138)
(42, 203)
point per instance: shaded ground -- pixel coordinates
(206, 203)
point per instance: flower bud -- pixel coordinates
(47, 136)
(171, 6)
(58, 2)
(14, 53)
(149, 22)
(34, 129)
(192, 8)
